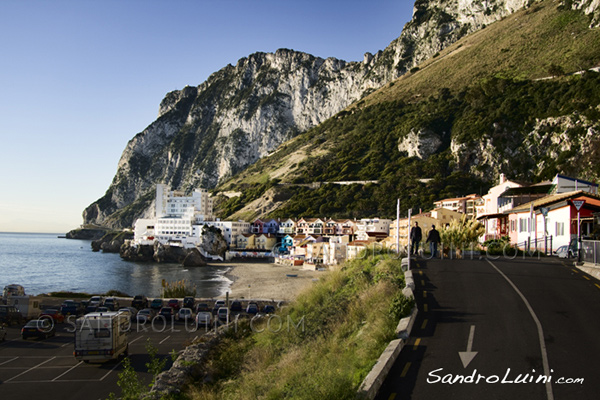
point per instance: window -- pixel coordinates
(560, 229)
(523, 224)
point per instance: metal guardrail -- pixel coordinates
(590, 251)
(543, 245)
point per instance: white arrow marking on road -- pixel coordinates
(467, 356)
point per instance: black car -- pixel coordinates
(10, 315)
(39, 328)
(167, 312)
(236, 305)
(112, 304)
(139, 302)
(188, 302)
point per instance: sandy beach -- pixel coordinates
(267, 281)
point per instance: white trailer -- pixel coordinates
(101, 336)
(28, 306)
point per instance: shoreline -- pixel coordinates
(267, 281)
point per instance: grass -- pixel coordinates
(522, 46)
(321, 346)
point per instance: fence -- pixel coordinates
(590, 251)
(543, 245)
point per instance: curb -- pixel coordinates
(372, 383)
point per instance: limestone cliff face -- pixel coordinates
(241, 113)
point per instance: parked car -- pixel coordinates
(39, 328)
(132, 311)
(156, 304)
(252, 308)
(102, 309)
(174, 304)
(90, 309)
(188, 302)
(111, 303)
(10, 315)
(2, 334)
(71, 307)
(566, 251)
(223, 314)
(236, 306)
(95, 301)
(139, 302)
(218, 304)
(167, 312)
(202, 307)
(268, 309)
(145, 315)
(53, 314)
(204, 318)
(185, 314)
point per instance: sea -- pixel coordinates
(44, 263)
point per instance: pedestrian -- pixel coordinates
(433, 238)
(415, 238)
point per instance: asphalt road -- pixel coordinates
(35, 369)
(534, 325)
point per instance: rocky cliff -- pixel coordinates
(241, 113)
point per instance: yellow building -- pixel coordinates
(265, 241)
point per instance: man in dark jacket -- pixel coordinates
(433, 238)
(415, 238)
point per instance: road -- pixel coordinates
(530, 326)
(32, 369)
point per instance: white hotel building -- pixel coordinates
(179, 219)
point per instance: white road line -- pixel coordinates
(12, 359)
(36, 356)
(62, 381)
(30, 369)
(67, 344)
(135, 340)
(545, 363)
(108, 373)
(67, 371)
(164, 340)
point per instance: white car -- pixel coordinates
(185, 314)
(204, 318)
(564, 252)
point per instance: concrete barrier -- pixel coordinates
(406, 324)
(590, 268)
(372, 383)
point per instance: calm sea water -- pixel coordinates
(44, 263)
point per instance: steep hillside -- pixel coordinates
(500, 100)
(206, 134)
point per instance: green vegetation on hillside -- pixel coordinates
(483, 94)
(321, 346)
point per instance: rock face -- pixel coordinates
(162, 254)
(241, 113)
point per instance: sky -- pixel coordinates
(80, 78)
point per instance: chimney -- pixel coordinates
(502, 178)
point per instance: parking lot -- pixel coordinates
(32, 368)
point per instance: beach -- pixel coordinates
(268, 281)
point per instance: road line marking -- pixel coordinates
(424, 324)
(425, 307)
(30, 369)
(574, 270)
(424, 294)
(598, 286)
(135, 340)
(405, 370)
(421, 272)
(67, 371)
(108, 373)
(585, 277)
(422, 282)
(538, 324)
(392, 396)
(164, 340)
(6, 362)
(66, 344)
(417, 342)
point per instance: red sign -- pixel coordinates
(578, 204)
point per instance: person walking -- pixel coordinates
(415, 238)
(433, 238)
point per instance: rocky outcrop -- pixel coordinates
(86, 234)
(421, 144)
(162, 254)
(111, 242)
(243, 112)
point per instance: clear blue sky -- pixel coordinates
(78, 79)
